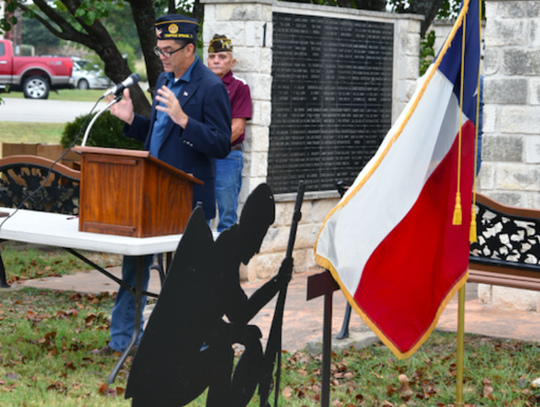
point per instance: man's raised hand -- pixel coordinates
(172, 106)
(123, 109)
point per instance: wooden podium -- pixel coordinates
(130, 193)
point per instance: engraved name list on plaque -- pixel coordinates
(331, 99)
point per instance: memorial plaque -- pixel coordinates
(331, 99)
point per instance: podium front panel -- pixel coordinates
(132, 196)
(111, 189)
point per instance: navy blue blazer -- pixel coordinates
(206, 137)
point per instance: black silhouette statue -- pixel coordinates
(202, 311)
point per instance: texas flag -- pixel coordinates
(394, 243)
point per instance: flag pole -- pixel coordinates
(472, 238)
(460, 347)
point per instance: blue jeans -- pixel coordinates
(123, 313)
(228, 184)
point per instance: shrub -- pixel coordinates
(105, 132)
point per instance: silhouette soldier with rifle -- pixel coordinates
(202, 311)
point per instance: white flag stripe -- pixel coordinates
(391, 191)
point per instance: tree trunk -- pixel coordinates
(374, 5)
(116, 67)
(198, 10)
(145, 20)
(427, 8)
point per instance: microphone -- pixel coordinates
(118, 89)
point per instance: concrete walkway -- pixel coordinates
(303, 320)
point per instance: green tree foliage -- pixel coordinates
(34, 33)
(427, 51)
(449, 10)
(8, 19)
(427, 8)
(123, 31)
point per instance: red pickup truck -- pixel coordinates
(35, 76)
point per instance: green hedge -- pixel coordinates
(106, 132)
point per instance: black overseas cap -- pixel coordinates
(220, 43)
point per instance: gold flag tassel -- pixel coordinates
(472, 230)
(457, 210)
(456, 220)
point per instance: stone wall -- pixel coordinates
(249, 24)
(510, 171)
(511, 140)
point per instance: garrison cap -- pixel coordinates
(176, 26)
(220, 43)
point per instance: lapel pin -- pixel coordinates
(185, 93)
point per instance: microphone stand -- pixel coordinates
(113, 102)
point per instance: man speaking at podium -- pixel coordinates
(189, 128)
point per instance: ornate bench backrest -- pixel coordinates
(507, 236)
(21, 175)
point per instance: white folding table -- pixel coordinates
(63, 231)
(58, 230)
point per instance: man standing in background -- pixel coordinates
(229, 170)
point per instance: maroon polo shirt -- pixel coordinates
(240, 97)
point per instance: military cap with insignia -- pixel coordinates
(220, 43)
(176, 26)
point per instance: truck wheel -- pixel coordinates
(83, 84)
(36, 87)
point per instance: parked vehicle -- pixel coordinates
(35, 76)
(87, 75)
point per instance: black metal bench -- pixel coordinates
(507, 252)
(22, 175)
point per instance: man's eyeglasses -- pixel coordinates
(168, 54)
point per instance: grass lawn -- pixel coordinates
(45, 337)
(19, 132)
(42, 261)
